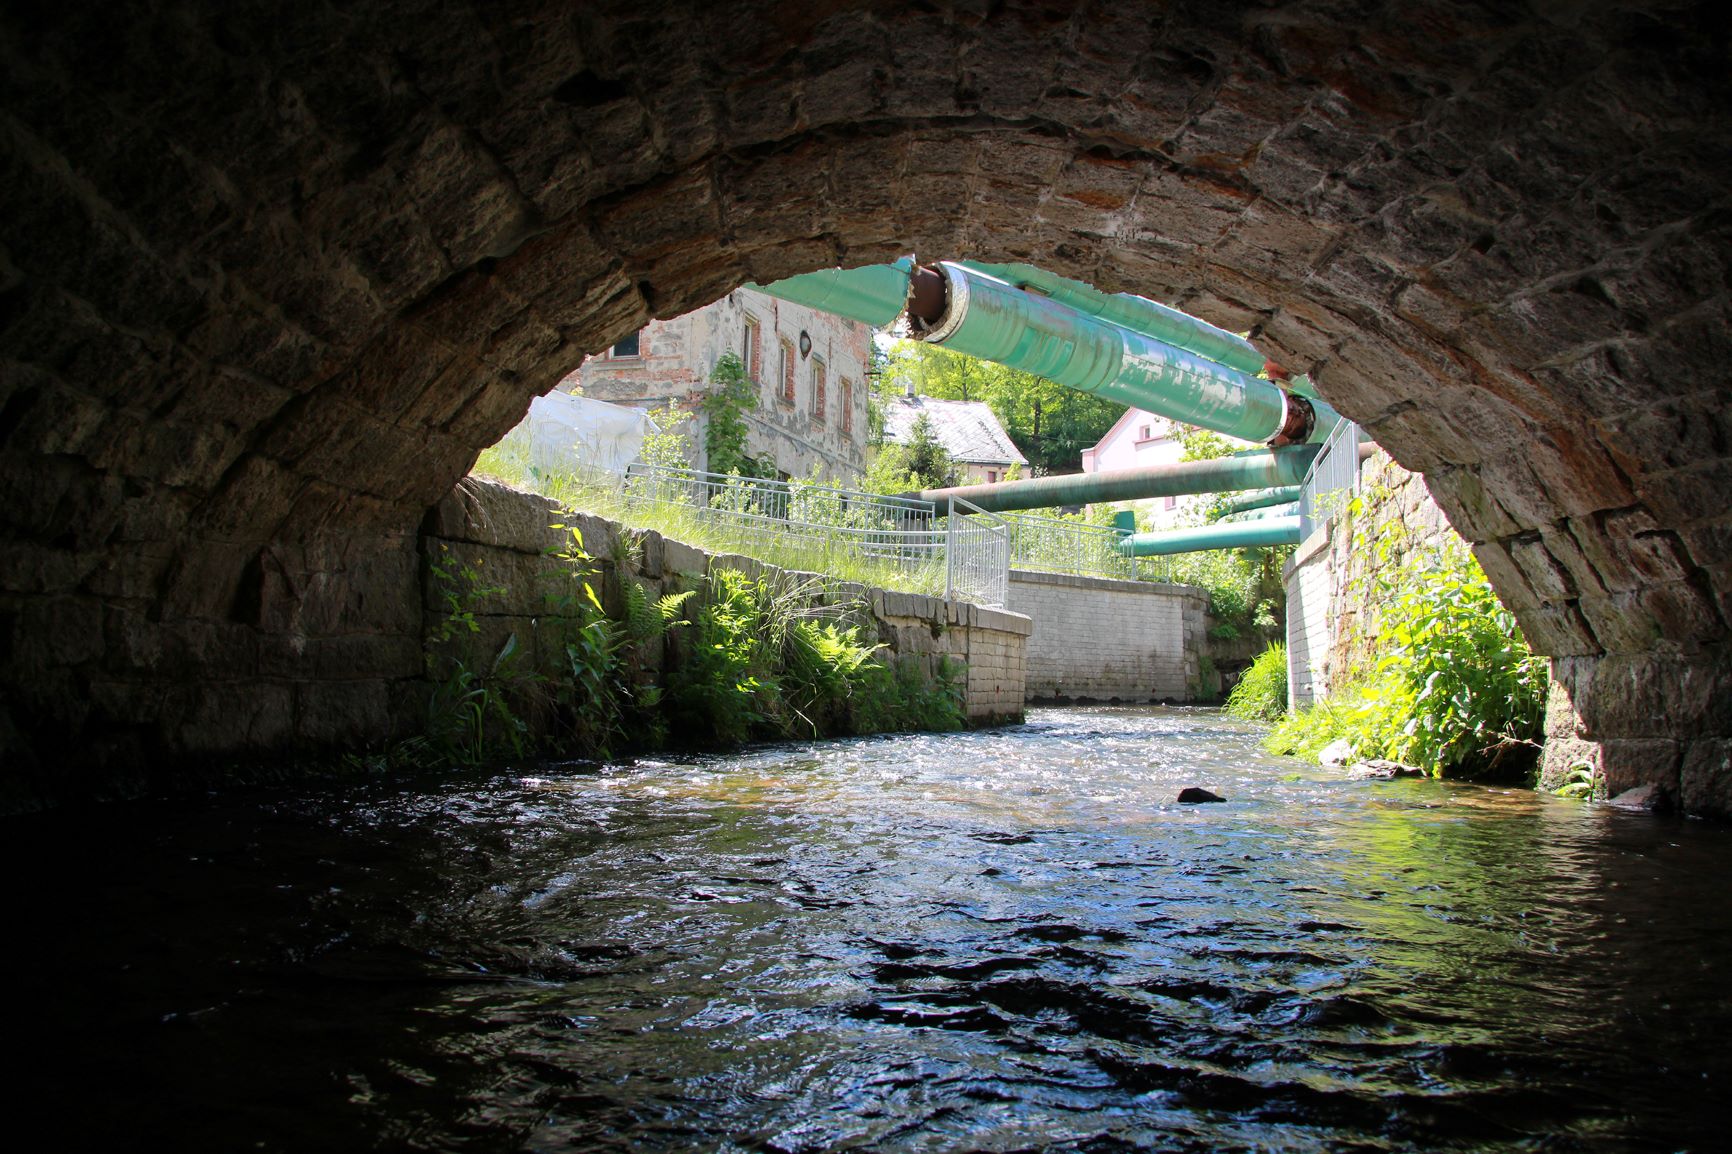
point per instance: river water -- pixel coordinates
(1003, 940)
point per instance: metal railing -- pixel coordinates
(975, 550)
(1332, 478)
(1059, 545)
(976, 555)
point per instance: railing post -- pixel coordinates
(950, 551)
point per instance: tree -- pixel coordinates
(725, 436)
(1050, 423)
(919, 463)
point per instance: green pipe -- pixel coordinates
(987, 318)
(1260, 500)
(978, 314)
(1254, 469)
(1290, 509)
(1248, 535)
(873, 294)
(1136, 313)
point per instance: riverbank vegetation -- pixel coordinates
(1452, 686)
(738, 658)
(1261, 694)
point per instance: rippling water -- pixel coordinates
(1006, 940)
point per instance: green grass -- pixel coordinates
(1261, 694)
(833, 557)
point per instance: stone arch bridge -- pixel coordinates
(273, 273)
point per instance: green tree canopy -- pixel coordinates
(919, 463)
(1050, 423)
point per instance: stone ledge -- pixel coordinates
(1115, 584)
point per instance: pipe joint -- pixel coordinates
(1298, 420)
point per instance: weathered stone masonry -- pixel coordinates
(513, 540)
(271, 275)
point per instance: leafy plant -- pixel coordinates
(921, 462)
(471, 717)
(725, 431)
(1455, 688)
(1261, 694)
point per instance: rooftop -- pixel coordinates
(968, 430)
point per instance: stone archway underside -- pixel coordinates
(272, 274)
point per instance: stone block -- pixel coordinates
(683, 559)
(353, 713)
(235, 717)
(1705, 777)
(1626, 763)
(1545, 576)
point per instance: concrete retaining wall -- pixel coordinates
(1310, 620)
(1109, 640)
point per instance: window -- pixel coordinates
(632, 346)
(847, 407)
(818, 386)
(1145, 433)
(787, 381)
(749, 354)
(991, 476)
(1171, 503)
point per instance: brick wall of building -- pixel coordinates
(815, 420)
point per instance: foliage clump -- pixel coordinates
(1455, 688)
(921, 462)
(764, 658)
(771, 660)
(725, 430)
(1050, 423)
(1261, 694)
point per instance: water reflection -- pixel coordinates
(995, 941)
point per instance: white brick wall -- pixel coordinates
(1105, 639)
(1310, 625)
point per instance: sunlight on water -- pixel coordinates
(1010, 939)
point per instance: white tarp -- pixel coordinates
(565, 433)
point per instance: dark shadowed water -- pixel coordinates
(1009, 940)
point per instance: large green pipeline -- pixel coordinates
(1259, 500)
(874, 294)
(976, 313)
(1233, 535)
(1254, 469)
(1141, 314)
(1290, 509)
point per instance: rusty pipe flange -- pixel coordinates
(927, 296)
(1298, 419)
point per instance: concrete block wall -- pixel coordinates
(1310, 580)
(1107, 640)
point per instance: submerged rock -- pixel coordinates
(1382, 769)
(1193, 795)
(1649, 798)
(1337, 752)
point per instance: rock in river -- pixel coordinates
(1337, 752)
(1192, 795)
(1381, 769)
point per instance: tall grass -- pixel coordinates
(1261, 694)
(832, 554)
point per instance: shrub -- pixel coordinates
(1456, 689)
(1261, 694)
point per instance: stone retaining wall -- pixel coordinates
(1110, 640)
(507, 537)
